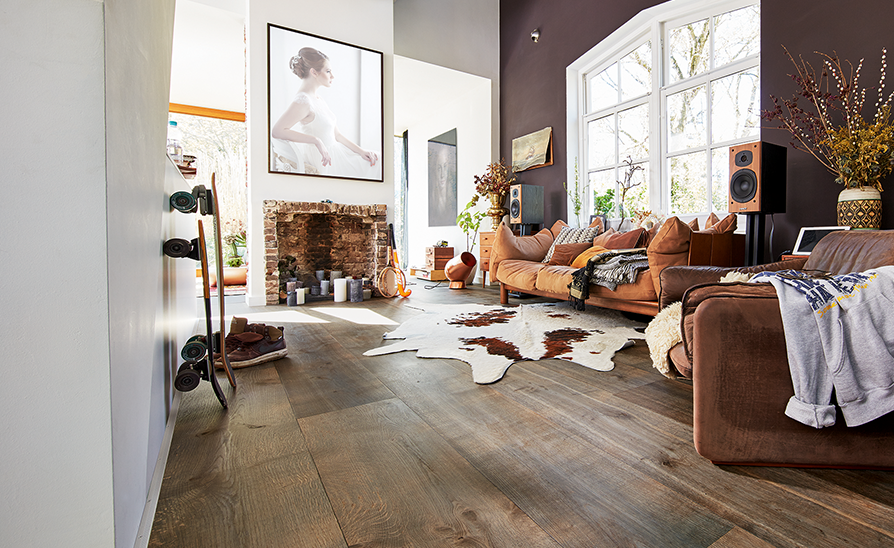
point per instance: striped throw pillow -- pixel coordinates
(570, 235)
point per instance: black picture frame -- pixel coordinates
(354, 101)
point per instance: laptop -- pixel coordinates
(810, 235)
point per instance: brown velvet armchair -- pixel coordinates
(734, 351)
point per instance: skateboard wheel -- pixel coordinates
(184, 201)
(187, 378)
(193, 351)
(177, 248)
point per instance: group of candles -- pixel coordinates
(343, 289)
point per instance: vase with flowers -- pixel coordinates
(495, 185)
(859, 151)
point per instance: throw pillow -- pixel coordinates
(711, 220)
(571, 236)
(581, 260)
(669, 248)
(509, 246)
(563, 254)
(557, 228)
(693, 224)
(621, 240)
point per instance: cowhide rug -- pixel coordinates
(492, 338)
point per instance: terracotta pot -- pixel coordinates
(235, 275)
(860, 208)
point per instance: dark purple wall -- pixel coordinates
(532, 83)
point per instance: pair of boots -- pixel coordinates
(253, 343)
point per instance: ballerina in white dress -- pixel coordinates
(309, 127)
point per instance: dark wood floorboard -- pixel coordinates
(330, 448)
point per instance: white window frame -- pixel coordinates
(650, 25)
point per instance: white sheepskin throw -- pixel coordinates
(492, 338)
(733, 276)
(662, 334)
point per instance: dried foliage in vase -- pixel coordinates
(832, 128)
(496, 179)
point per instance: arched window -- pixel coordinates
(669, 92)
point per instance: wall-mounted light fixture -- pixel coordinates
(535, 35)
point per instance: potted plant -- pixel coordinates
(235, 271)
(832, 128)
(470, 221)
(495, 185)
(576, 195)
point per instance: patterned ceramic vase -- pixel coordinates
(860, 208)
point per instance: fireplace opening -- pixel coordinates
(304, 237)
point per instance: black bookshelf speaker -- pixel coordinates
(525, 204)
(757, 178)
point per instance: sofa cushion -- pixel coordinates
(557, 227)
(728, 224)
(669, 248)
(621, 240)
(520, 273)
(572, 236)
(581, 260)
(712, 220)
(563, 254)
(555, 279)
(509, 246)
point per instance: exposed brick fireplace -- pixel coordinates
(323, 236)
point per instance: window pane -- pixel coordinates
(720, 179)
(637, 197)
(604, 88)
(602, 141)
(736, 35)
(686, 118)
(636, 72)
(633, 132)
(735, 109)
(600, 182)
(688, 175)
(689, 50)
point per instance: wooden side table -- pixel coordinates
(486, 240)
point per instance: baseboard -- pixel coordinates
(158, 474)
(255, 300)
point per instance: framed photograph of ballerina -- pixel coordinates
(324, 107)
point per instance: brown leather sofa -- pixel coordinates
(734, 351)
(516, 264)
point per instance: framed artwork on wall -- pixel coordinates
(442, 209)
(325, 111)
(533, 150)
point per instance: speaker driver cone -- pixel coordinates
(743, 186)
(514, 208)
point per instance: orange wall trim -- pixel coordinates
(207, 112)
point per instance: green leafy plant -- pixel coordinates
(470, 221)
(576, 195)
(604, 203)
(232, 242)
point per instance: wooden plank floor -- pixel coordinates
(330, 448)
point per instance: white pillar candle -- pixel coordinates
(299, 293)
(324, 287)
(341, 290)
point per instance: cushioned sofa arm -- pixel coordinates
(675, 280)
(725, 292)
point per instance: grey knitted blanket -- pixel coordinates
(609, 270)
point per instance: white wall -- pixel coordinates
(55, 393)
(468, 112)
(208, 68)
(366, 23)
(90, 307)
(462, 35)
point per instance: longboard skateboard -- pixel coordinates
(204, 201)
(207, 368)
(218, 250)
